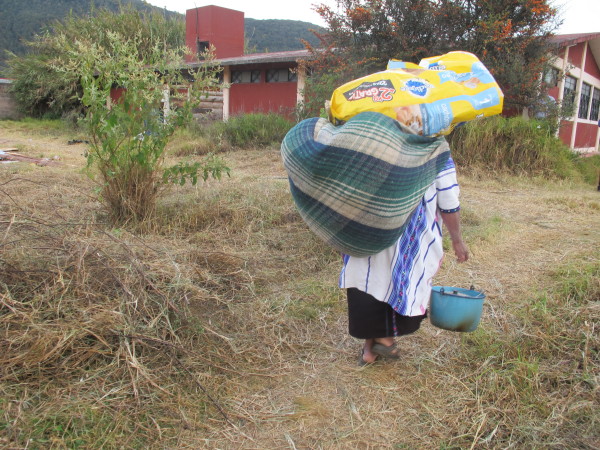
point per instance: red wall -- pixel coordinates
(575, 54)
(262, 97)
(222, 27)
(586, 135)
(279, 97)
(116, 93)
(591, 66)
(565, 132)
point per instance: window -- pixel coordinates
(245, 76)
(202, 47)
(569, 92)
(595, 105)
(551, 77)
(280, 75)
(584, 100)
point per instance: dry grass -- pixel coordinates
(222, 327)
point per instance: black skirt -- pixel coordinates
(369, 318)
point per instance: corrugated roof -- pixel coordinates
(563, 40)
(263, 58)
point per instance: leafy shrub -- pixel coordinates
(512, 145)
(589, 168)
(255, 129)
(129, 136)
(248, 130)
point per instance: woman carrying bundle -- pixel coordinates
(388, 293)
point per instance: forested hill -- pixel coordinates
(22, 19)
(275, 35)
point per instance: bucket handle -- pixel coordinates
(472, 288)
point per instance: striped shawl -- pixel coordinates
(356, 185)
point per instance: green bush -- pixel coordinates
(248, 130)
(513, 145)
(589, 168)
(255, 129)
(128, 136)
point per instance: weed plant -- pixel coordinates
(589, 168)
(512, 146)
(243, 131)
(252, 130)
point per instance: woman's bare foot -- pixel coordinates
(367, 356)
(374, 348)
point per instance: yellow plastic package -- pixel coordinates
(430, 98)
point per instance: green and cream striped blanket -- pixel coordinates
(356, 185)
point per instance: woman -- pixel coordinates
(388, 293)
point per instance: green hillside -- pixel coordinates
(274, 35)
(21, 20)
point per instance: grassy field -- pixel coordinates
(221, 326)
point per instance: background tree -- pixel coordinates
(40, 90)
(509, 36)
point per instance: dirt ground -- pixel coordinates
(294, 380)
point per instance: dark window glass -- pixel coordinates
(245, 76)
(595, 105)
(202, 47)
(584, 100)
(280, 75)
(569, 91)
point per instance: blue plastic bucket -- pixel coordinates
(455, 309)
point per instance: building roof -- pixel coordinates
(564, 40)
(292, 56)
(567, 40)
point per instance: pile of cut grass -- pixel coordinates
(96, 331)
(109, 335)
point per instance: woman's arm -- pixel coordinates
(452, 221)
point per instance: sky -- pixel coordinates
(580, 16)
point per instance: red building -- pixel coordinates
(262, 82)
(575, 78)
(274, 82)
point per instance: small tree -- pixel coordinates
(509, 36)
(129, 134)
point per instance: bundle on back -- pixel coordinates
(356, 185)
(357, 178)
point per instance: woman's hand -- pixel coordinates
(452, 222)
(460, 250)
